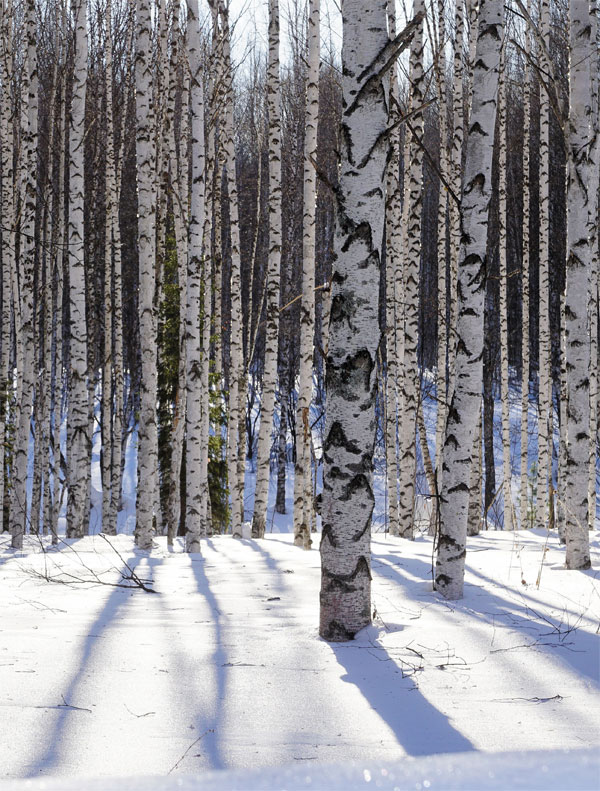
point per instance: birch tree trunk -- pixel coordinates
(26, 265)
(411, 378)
(147, 429)
(393, 237)
(582, 213)
(524, 500)
(354, 325)
(509, 522)
(466, 399)
(263, 455)
(196, 397)
(303, 502)
(544, 480)
(237, 388)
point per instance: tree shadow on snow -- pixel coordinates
(419, 727)
(66, 726)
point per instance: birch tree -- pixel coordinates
(354, 324)
(147, 431)
(466, 399)
(197, 399)
(302, 474)
(263, 455)
(582, 213)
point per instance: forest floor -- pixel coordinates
(222, 667)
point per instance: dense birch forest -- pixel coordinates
(276, 259)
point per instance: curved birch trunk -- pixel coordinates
(147, 430)
(263, 455)
(582, 212)
(466, 400)
(303, 501)
(355, 335)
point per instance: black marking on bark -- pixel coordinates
(337, 633)
(361, 568)
(490, 30)
(337, 438)
(460, 487)
(327, 533)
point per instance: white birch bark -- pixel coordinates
(267, 406)
(303, 503)
(145, 156)
(509, 521)
(26, 266)
(582, 197)
(411, 378)
(393, 236)
(237, 387)
(544, 383)
(593, 222)
(7, 250)
(355, 335)
(195, 518)
(466, 400)
(524, 499)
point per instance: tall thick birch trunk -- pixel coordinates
(197, 399)
(582, 213)
(303, 502)
(25, 318)
(411, 378)
(593, 223)
(147, 429)
(466, 400)
(263, 455)
(509, 522)
(354, 325)
(544, 479)
(524, 499)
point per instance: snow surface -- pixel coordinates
(222, 668)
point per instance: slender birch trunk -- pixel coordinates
(466, 399)
(303, 502)
(237, 386)
(355, 335)
(411, 378)
(7, 250)
(524, 499)
(509, 521)
(263, 455)
(544, 480)
(147, 430)
(393, 236)
(195, 519)
(582, 213)
(26, 379)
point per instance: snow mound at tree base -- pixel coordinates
(566, 770)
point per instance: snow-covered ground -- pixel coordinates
(222, 667)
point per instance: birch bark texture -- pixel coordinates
(302, 472)
(196, 398)
(355, 335)
(147, 434)
(582, 197)
(466, 399)
(263, 455)
(78, 415)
